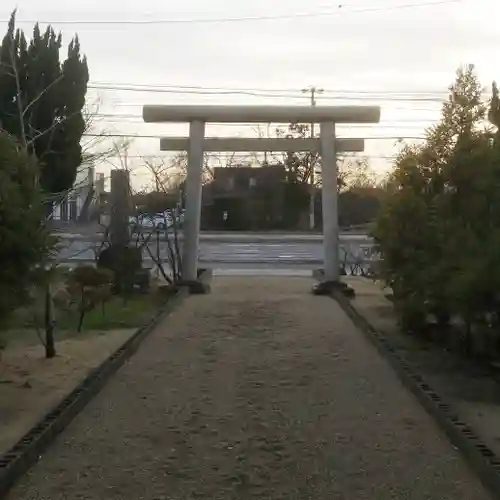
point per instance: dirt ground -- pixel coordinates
(258, 391)
(474, 394)
(31, 385)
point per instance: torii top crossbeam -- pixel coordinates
(260, 114)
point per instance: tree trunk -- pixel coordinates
(468, 341)
(80, 320)
(82, 309)
(50, 346)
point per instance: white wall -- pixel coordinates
(84, 181)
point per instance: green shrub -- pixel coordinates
(124, 262)
(24, 241)
(439, 227)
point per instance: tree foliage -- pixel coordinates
(154, 202)
(359, 205)
(24, 241)
(359, 192)
(42, 100)
(439, 227)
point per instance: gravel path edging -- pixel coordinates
(29, 449)
(482, 460)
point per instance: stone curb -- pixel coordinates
(482, 460)
(29, 449)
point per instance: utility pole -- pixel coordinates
(265, 152)
(120, 207)
(312, 91)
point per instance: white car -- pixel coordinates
(160, 221)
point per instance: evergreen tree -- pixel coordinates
(494, 110)
(42, 100)
(24, 241)
(436, 209)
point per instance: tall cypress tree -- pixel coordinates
(42, 101)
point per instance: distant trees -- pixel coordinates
(359, 206)
(287, 208)
(153, 202)
(299, 168)
(359, 189)
(360, 192)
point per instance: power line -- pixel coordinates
(96, 84)
(254, 125)
(240, 155)
(167, 155)
(353, 125)
(339, 95)
(327, 13)
(147, 136)
(138, 120)
(185, 91)
(392, 106)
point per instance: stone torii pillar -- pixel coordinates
(192, 215)
(327, 145)
(329, 202)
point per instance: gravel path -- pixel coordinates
(257, 391)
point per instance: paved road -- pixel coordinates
(258, 391)
(236, 251)
(223, 252)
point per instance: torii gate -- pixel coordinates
(327, 145)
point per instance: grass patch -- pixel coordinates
(118, 314)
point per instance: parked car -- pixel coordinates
(161, 221)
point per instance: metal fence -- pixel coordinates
(359, 259)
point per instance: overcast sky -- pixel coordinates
(410, 46)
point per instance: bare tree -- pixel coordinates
(300, 164)
(150, 233)
(171, 222)
(351, 169)
(355, 172)
(211, 161)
